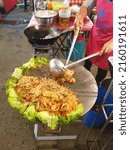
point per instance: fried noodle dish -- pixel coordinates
(47, 95)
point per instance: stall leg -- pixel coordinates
(110, 138)
(101, 131)
(79, 133)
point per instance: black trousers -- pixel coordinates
(101, 74)
(25, 5)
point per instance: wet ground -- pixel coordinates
(16, 133)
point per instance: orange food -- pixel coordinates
(47, 95)
(28, 98)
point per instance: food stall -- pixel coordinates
(85, 88)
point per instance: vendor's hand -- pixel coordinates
(107, 47)
(78, 23)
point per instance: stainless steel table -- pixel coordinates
(87, 91)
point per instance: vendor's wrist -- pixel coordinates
(80, 16)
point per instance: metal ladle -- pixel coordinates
(57, 68)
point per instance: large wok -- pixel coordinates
(85, 86)
(39, 34)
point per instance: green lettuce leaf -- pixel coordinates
(10, 83)
(29, 64)
(75, 114)
(30, 113)
(35, 62)
(16, 104)
(12, 93)
(46, 118)
(17, 73)
(41, 61)
(72, 116)
(53, 121)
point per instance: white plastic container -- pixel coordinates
(64, 17)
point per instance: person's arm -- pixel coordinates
(85, 9)
(107, 47)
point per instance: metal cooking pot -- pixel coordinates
(43, 35)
